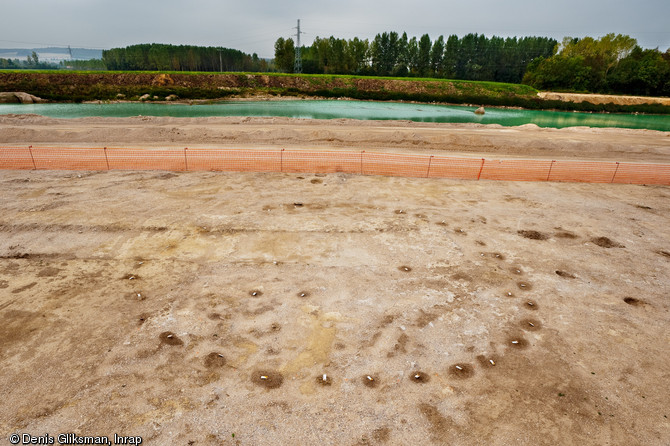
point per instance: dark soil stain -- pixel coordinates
(267, 378)
(255, 293)
(378, 436)
(130, 277)
(316, 181)
(399, 347)
(640, 206)
(381, 435)
(405, 268)
(440, 426)
(214, 360)
(419, 377)
(399, 211)
(142, 318)
(633, 301)
(664, 253)
(260, 310)
(460, 231)
(605, 242)
(517, 342)
(530, 324)
(425, 319)
(324, 380)
(461, 276)
(462, 371)
(31, 256)
(370, 381)
(487, 361)
(4, 284)
(531, 305)
(525, 286)
(169, 338)
(565, 274)
(565, 235)
(516, 270)
(386, 320)
(533, 235)
(48, 272)
(23, 288)
(165, 176)
(303, 294)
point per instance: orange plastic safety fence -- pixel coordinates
(304, 161)
(233, 160)
(582, 171)
(320, 161)
(631, 173)
(516, 170)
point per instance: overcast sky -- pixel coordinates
(253, 25)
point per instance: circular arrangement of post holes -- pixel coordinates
(271, 379)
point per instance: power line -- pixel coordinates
(297, 66)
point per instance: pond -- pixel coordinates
(334, 109)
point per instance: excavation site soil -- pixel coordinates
(200, 308)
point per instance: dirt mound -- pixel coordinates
(603, 98)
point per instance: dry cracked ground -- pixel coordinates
(227, 308)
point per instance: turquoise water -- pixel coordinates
(348, 109)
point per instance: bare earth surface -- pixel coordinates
(494, 141)
(257, 309)
(604, 98)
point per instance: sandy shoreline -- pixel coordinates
(528, 141)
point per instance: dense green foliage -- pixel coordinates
(611, 64)
(473, 57)
(88, 65)
(163, 57)
(285, 54)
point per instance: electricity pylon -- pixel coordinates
(297, 66)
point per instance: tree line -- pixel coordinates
(32, 62)
(472, 57)
(610, 64)
(162, 57)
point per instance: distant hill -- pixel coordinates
(51, 54)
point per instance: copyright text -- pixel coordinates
(72, 438)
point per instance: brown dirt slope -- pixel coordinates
(603, 98)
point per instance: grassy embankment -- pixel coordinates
(77, 86)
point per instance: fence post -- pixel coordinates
(480, 169)
(362, 152)
(185, 160)
(30, 149)
(281, 160)
(429, 160)
(106, 159)
(550, 167)
(615, 171)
